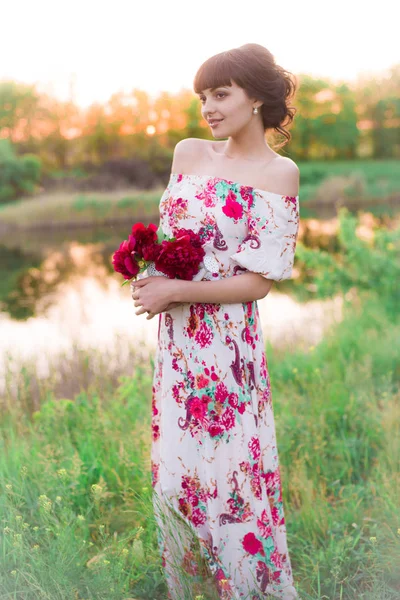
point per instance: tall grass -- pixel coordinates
(76, 508)
(75, 502)
(54, 210)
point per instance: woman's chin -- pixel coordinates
(218, 134)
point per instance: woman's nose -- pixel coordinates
(208, 109)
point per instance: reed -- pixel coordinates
(76, 498)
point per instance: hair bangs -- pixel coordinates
(253, 68)
(217, 71)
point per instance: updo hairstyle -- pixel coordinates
(253, 68)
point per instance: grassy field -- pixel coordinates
(75, 500)
(75, 480)
(321, 183)
(67, 209)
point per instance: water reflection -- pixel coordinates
(35, 266)
(34, 280)
(92, 313)
(57, 293)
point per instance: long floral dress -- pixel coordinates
(215, 467)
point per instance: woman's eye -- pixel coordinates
(219, 94)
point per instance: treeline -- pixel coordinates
(332, 122)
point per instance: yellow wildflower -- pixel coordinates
(62, 473)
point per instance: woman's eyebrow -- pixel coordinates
(213, 89)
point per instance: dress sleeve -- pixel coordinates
(272, 230)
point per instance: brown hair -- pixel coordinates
(253, 68)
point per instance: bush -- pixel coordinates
(18, 175)
(113, 174)
(372, 267)
(339, 189)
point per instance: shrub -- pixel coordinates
(371, 267)
(18, 175)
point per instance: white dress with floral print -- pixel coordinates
(214, 452)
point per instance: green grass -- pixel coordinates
(67, 209)
(376, 180)
(75, 495)
(381, 177)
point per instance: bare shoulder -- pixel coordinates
(186, 154)
(285, 175)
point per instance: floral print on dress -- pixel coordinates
(214, 457)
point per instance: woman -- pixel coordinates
(215, 467)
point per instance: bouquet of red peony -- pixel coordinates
(177, 257)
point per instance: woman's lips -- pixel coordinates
(215, 123)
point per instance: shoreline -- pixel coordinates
(326, 211)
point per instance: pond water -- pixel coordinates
(59, 290)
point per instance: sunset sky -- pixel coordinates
(105, 47)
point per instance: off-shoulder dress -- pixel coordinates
(215, 467)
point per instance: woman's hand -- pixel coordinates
(154, 294)
(172, 305)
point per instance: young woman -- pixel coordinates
(215, 467)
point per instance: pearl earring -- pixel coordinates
(255, 110)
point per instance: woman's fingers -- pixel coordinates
(173, 305)
(135, 297)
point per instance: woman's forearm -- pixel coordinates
(231, 290)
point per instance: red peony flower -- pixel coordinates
(197, 408)
(215, 430)
(233, 399)
(232, 208)
(198, 517)
(221, 392)
(181, 257)
(228, 418)
(254, 447)
(194, 237)
(202, 381)
(277, 559)
(246, 193)
(146, 241)
(123, 259)
(242, 408)
(264, 525)
(252, 545)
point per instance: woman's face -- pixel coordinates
(229, 103)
